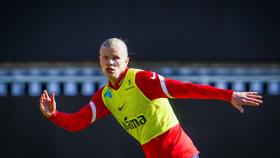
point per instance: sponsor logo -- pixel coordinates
(108, 93)
(120, 108)
(154, 76)
(133, 123)
(129, 82)
(130, 86)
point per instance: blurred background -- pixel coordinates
(54, 45)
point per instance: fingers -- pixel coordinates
(254, 101)
(239, 108)
(42, 109)
(52, 97)
(249, 98)
(42, 101)
(252, 93)
(240, 99)
(254, 96)
(47, 95)
(43, 98)
(251, 103)
(248, 101)
(47, 104)
(53, 102)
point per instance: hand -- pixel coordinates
(239, 99)
(47, 104)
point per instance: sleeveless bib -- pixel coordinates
(142, 118)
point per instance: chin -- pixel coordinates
(111, 76)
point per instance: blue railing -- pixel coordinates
(72, 81)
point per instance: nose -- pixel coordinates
(110, 62)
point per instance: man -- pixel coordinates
(138, 101)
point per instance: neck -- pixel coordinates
(116, 82)
(113, 80)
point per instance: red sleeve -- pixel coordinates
(150, 84)
(73, 122)
(84, 117)
(178, 89)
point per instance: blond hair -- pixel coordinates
(115, 43)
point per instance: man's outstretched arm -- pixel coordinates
(70, 121)
(156, 86)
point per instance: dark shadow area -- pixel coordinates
(217, 129)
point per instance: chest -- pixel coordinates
(126, 101)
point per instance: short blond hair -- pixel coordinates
(115, 43)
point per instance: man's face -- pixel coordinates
(113, 62)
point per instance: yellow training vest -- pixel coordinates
(142, 118)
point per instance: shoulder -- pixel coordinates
(146, 75)
(149, 83)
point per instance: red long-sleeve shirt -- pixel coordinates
(153, 86)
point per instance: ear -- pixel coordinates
(99, 60)
(127, 60)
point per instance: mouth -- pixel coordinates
(110, 70)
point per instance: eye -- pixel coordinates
(105, 57)
(116, 57)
